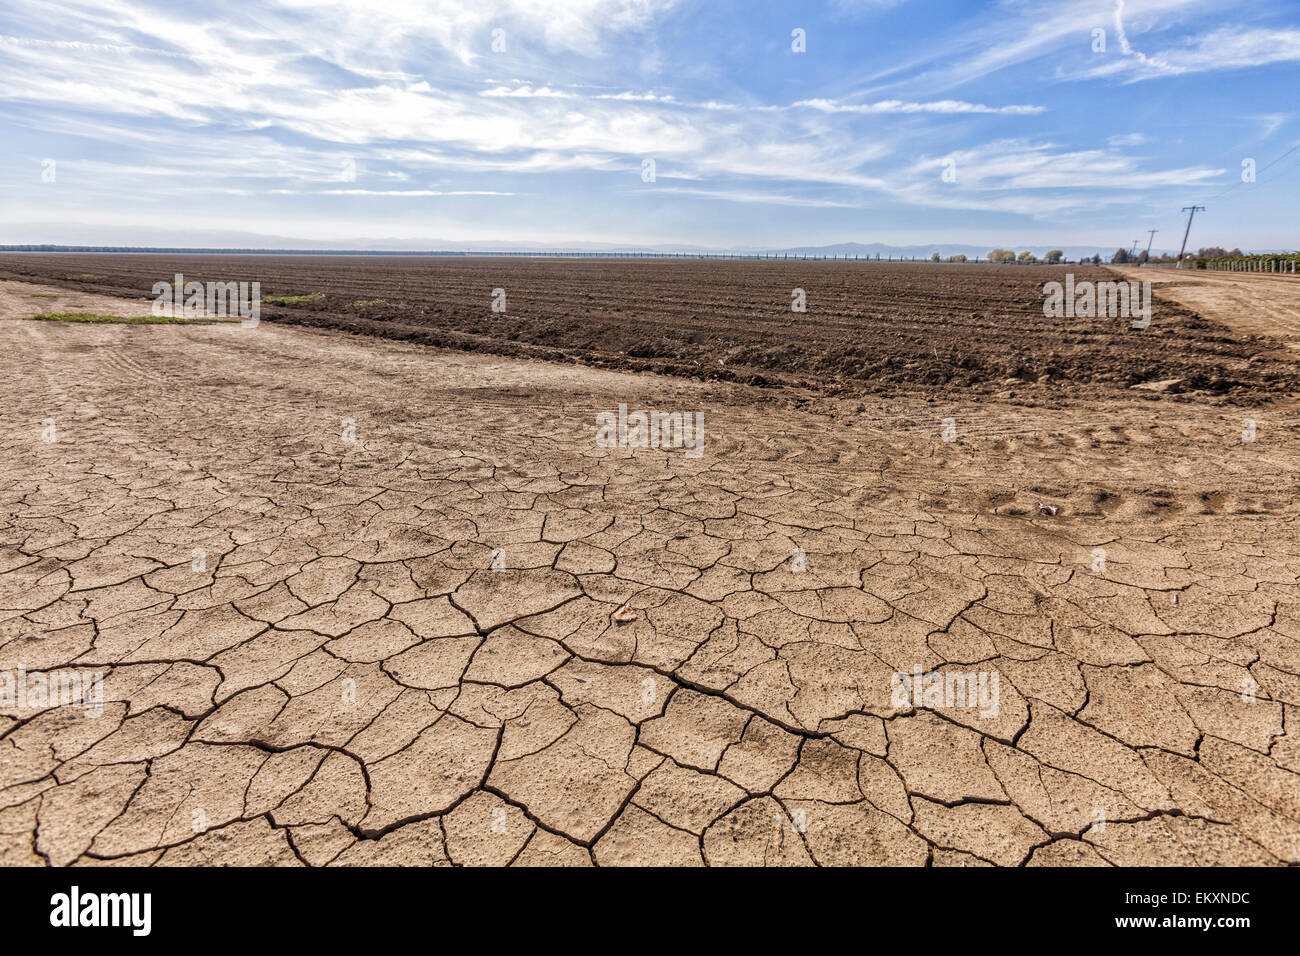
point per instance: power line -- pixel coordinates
(1193, 210)
(1242, 182)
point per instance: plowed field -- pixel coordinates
(869, 327)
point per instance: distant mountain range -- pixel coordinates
(100, 238)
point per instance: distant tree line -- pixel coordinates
(1026, 258)
(1218, 258)
(1236, 261)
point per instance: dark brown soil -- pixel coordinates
(868, 327)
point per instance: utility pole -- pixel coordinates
(1134, 251)
(1191, 213)
(1150, 239)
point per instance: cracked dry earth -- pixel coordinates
(342, 679)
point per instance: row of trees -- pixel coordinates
(1122, 256)
(1212, 257)
(1026, 258)
(1236, 261)
(1218, 258)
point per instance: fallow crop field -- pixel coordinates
(868, 326)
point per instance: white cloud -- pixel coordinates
(1270, 123)
(1228, 48)
(899, 106)
(356, 28)
(409, 90)
(1019, 164)
(526, 92)
(396, 193)
(763, 198)
(1017, 32)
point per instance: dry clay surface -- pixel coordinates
(309, 659)
(1254, 303)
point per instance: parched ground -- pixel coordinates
(1253, 303)
(309, 658)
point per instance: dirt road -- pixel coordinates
(1256, 304)
(278, 546)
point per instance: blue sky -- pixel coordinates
(370, 119)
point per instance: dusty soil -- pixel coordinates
(869, 327)
(309, 659)
(1252, 304)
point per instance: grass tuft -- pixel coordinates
(124, 319)
(292, 299)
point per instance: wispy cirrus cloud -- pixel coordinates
(1144, 39)
(392, 193)
(537, 112)
(1223, 49)
(766, 198)
(1026, 165)
(937, 106)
